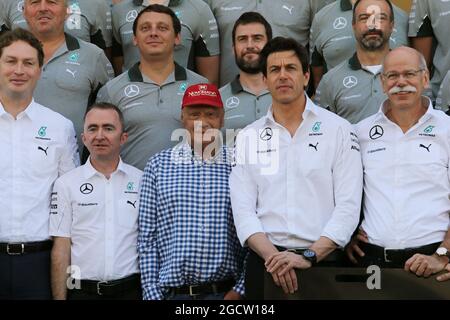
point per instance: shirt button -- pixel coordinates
(161, 101)
(375, 91)
(258, 110)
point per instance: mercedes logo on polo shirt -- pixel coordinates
(340, 23)
(376, 132)
(232, 102)
(350, 82)
(131, 15)
(86, 188)
(131, 90)
(266, 134)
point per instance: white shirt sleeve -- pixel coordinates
(348, 186)
(244, 194)
(70, 157)
(60, 212)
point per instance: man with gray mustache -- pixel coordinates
(405, 151)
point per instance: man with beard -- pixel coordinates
(332, 40)
(405, 154)
(246, 98)
(353, 88)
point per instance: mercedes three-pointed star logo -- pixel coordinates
(232, 102)
(340, 23)
(131, 15)
(131, 90)
(86, 188)
(266, 134)
(350, 82)
(376, 132)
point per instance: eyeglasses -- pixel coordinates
(408, 75)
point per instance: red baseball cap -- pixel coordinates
(202, 94)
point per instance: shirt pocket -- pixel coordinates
(73, 79)
(44, 155)
(128, 212)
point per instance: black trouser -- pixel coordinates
(259, 283)
(128, 288)
(25, 276)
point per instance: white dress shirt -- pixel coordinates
(297, 189)
(36, 148)
(406, 180)
(100, 216)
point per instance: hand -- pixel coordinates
(288, 282)
(282, 267)
(423, 265)
(232, 295)
(284, 261)
(354, 247)
(445, 276)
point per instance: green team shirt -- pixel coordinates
(332, 39)
(288, 18)
(350, 91)
(71, 78)
(199, 34)
(151, 112)
(428, 18)
(241, 106)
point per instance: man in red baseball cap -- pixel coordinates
(187, 243)
(202, 116)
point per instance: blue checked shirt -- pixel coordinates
(186, 230)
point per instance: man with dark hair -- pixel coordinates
(73, 69)
(352, 89)
(284, 161)
(332, 40)
(288, 18)
(246, 98)
(198, 49)
(149, 94)
(188, 248)
(39, 145)
(94, 217)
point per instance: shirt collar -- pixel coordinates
(354, 63)
(236, 85)
(381, 114)
(30, 111)
(171, 2)
(346, 5)
(72, 43)
(89, 171)
(184, 153)
(310, 108)
(135, 74)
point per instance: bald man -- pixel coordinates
(405, 152)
